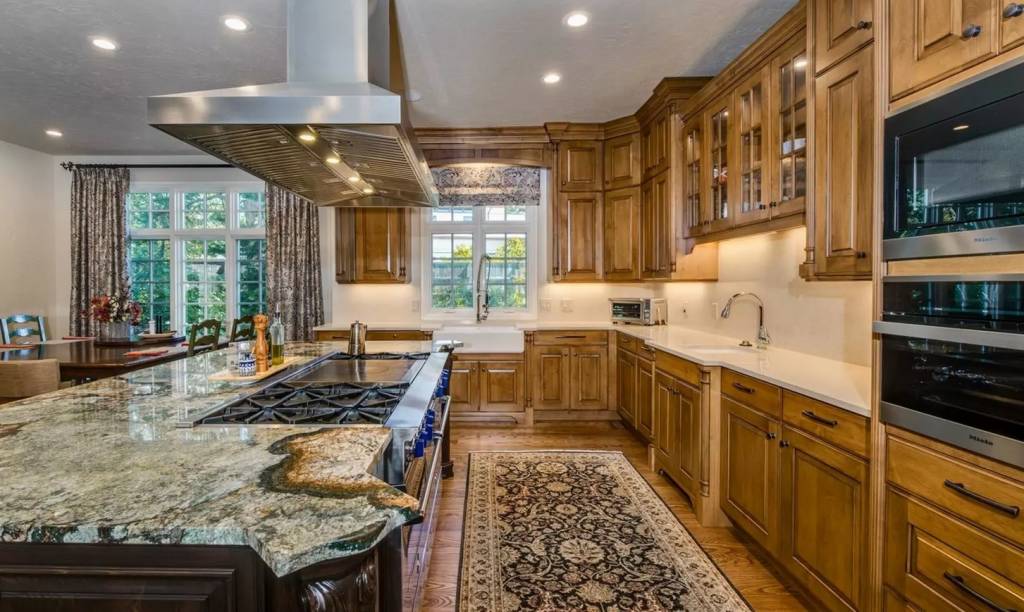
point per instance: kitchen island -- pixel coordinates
(108, 503)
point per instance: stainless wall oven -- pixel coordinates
(953, 360)
(954, 172)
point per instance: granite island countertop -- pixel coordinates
(105, 462)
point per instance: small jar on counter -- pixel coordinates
(246, 361)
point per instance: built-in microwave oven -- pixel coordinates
(952, 360)
(639, 311)
(954, 172)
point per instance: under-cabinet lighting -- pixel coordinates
(552, 77)
(961, 127)
(238, 24)
(104, 43)
(54, 133)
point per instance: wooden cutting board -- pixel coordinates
(233, 376)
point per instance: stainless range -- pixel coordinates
(406, 392)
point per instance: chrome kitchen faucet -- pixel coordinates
(763, 337)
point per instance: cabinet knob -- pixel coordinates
(863, 24)
(771, 435)
(773, 204)
(861, 254)
(783, 444)
(972, 31)
(761, 207)
(1013, 9)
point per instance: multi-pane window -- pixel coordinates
(451, 262)
(198, 252)
(204, 284)
(150, 270)
(252, 276)
(457, 238)
(506, 272)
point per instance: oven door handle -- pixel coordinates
(1014, 342)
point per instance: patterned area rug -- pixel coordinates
(578, 530)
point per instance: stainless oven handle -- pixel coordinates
(979, 337)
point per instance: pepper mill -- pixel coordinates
(261, 352)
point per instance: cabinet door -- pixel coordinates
(625, 385)
(751, 103)
(844, 166)
(1011, 32)
(788, 156)
(824, 500)
(501, 386)
(717, 122)
(579, 165)
(622, 162)
(381, 253)
(657, 228)
(686, 452)
(462, 386)
(645, 398)
(932, 39)
(840, 28)
(579, 230)
(750, 472)
(666, 414)
(622, 234)
(657, 144)
(693, 181)
(589, 382)
(549, 370)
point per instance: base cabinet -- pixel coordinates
(750, 472)
(487, 386)
(645, 397)
(569, 372)
(625, 385)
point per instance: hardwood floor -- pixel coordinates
(763, 589)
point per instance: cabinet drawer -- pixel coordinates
(331, 335)
(680, 368)
(627, 343)
(989, 500)
(939, 563)
(752, 392)
(398, 334)
(564, 338)
(835, 425)
(645, 351)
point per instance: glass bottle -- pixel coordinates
(277, 340)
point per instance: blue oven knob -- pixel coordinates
(419, 448)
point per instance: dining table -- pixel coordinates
(84, 359)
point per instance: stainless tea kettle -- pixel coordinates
(357, 338)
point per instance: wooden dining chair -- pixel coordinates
(21, 379)
(203, 337)
(22, 329)
(242, 328)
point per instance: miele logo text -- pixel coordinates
(980, 439)
(985, 239)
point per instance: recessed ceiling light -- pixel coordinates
(961, 127)
(333, 159)
(307, 137)
(54, 133)
(104, 43)
(368, 190)
(552, 77)
(576, 19)
(237, 24)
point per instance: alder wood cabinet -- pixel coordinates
(626, 386)
(579, 235)
(372, 245)
(622, 161)
(657, 227)
(569, 373)
(487, 383)
(645, 393)
(622, 222)
(790, 139)
(634, 381)
(753, 179)
(580, 164)
(840, 27)
(329, 335)
(677, 409)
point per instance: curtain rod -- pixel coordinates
(72, 165)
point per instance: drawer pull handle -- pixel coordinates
(743, 388)
(818, 419)
(1013, 9)
(972, 31)
(961, 584)
(863, 24)
(959, 487)
(571, 337)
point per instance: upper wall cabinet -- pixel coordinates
(578, 236)
(580, 165)
(934, 39)
(622, 162)
(789, 141)
(656, 144)
(372, 245)
(840, 27)
(622, 222)
(720, 128)
(752, 168)
(656, 227)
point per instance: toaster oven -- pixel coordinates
(639, 311)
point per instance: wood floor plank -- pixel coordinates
(743, 565)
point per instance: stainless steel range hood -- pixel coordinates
(328, 134)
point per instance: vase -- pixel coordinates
(118, 330)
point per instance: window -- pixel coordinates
(198, 252)
(457, 237)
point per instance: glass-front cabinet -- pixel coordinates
(717, 122)
(692, 142)
(789, 140)
(751, 104)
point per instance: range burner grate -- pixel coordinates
(312, 404)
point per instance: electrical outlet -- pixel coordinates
(566, 305)
(415, 307)
(684, 310)
(715, 310)
(545, 305)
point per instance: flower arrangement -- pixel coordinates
(117, 308)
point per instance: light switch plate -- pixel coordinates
(545, 305)
(566, 305)
(715, 311)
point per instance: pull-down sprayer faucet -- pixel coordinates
(483, 272)
(763, 337)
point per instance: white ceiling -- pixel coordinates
(475, 62)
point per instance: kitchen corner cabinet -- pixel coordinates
(580, 164)
(935, 39)
(844, 167)
(622, 162)
(372, 245)
(622, 222)
(840, 27)
(579, 229)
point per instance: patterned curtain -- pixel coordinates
(99, 240)
(487, 185)
(294, 282)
